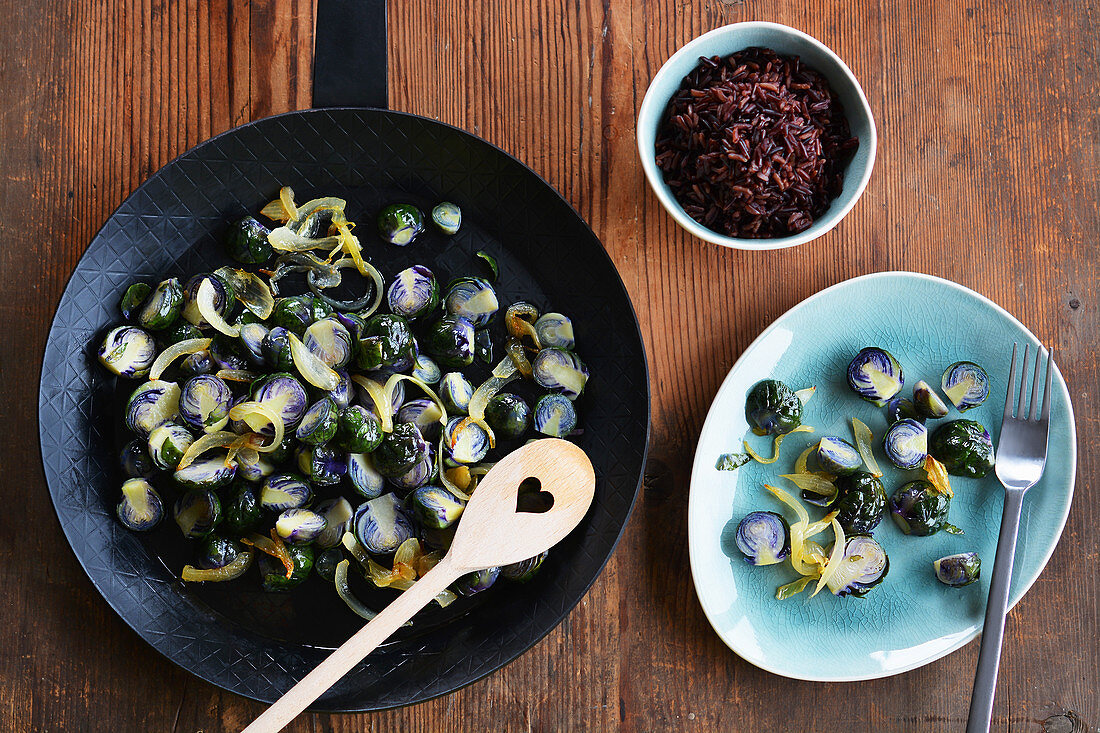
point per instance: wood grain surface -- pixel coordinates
(987, 175)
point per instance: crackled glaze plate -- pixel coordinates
(910, 619)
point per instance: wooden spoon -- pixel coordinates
(492, 533)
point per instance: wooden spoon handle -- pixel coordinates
(351, 652)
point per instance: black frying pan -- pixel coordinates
(257, 644)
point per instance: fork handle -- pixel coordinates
(989, 658)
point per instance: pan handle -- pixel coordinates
(349, 54)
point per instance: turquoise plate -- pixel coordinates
(927, 323)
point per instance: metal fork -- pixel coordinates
(1021, 456)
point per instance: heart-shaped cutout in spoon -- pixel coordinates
(492, 532)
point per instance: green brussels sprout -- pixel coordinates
(508, 415)
(276, 349)
(246, 241)
(326, 562)
(167, 444)
(450, 341)
(179, 331)
(240, 508)
(163, 306)
(299, 311)
(132, 299)
(772, 408)
(958, 570)
(358, 430)
(400, 450)
(386, 341)
(301, 556)
(919, 508)
(217, 552)
(860, 502)
(400, 224)
(964, 447)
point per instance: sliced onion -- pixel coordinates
(349, 244)
(503, 373)
(800, 463)
(790, 501)
(775, 446)
(247, 412)
(344, 592)
(360, 305)
(286, 198)
(253, 293)
(804, 395)
(835, 558)
(864, 440)
(232, 571)
(378, 395)
(391, 383)
(815, 528)
(204, 301)
(175, 351)
(311, 367)
(210, 441)
(236, 375)
(271, 546)
(793, 588)
(357, 550)
(811, 482)
(937, 476)
(284, 239)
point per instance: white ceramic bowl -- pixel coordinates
(784, 40)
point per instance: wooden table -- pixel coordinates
(987, 175)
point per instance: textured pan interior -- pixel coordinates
(257, 644)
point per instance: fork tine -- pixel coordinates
(1046, 391)
(1023, 386)
(1040, 352)
(1011, 383)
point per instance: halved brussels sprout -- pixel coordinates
(132, 299)
(426, 370)
(400, 224)
(772, 408)
(466, 441)
(254, 468)
(196, 364)
(927, 402)
(862, 567)
(223, 351)
(344, 392)
(276, 349)
(472, 298)
(966, 384)
(161, 309)
(364, 477)
(964, 447)
(834, 455)
(329, 341)
(875, 375)
(476, 582)
(327, 465)
(414, 292)
(523, 571)
(555, 416)
(252, 339)
(285, 491)
(421, 474)
(386, 341)
(455, 391)
(197, 512)
(508, 415)
(136, 461)
(555, 331)
(128, 352)
(447, 217)
(358, 430)
(400, 450)
(860, 503)
(223, 298)
(140, 508)
(764, 538)
(299, 526)
(338, 513)
(906, 443)
(274, 574)
(319, 422)
(151, 405)
(450, 341)
(246, 241)
(240, 508)
(167, 444)
(899, 408)
(217, 552)
(424, 414)
(204, 403)
(920, 509)
(436, 507)
(284, 395)
(382, 524)
(209, 471)
(179, 331)
(958, 570)
(560, 371)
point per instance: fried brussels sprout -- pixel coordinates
(772, 408)
(764, 538)
(964, 447)
(860, 502)
(920, 509)
(875, 375)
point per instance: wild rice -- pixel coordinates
(754, 145)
